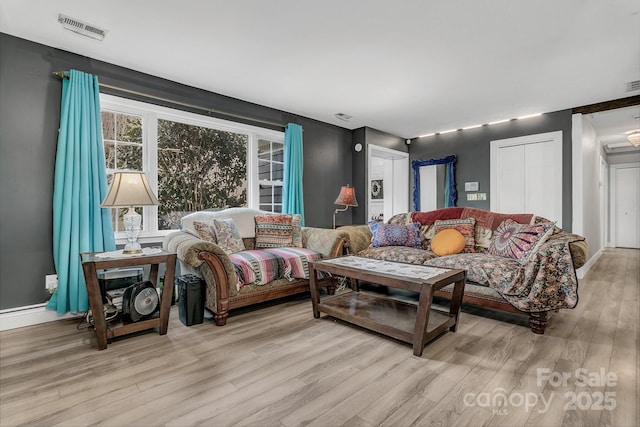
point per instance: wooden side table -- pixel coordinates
(93, 261)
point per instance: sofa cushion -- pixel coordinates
(519, 241)
(205, 230)
(448, 242)
(273, 231)
(398, 254)
(498, 272)
(228, 236)
(466, 227)
(395, 235)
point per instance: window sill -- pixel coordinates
(121, 239)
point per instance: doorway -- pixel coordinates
(625, 199)
(388, 186)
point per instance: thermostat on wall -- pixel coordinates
(471, 186)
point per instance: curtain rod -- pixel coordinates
(63, 74)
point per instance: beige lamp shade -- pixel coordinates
(634, 138)
(347, 196)
(129, 189)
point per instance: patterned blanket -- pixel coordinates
(483, 218)
(259, 267)
(296, 261)
(546, 282)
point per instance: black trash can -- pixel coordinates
(190, 299)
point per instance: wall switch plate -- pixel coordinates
(472, 196)
(482, 196)
(51, 281)
(471, 186)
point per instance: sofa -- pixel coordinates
(246, 256)
(535, 285)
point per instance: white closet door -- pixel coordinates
(627, 200)
(526, 175)
(510, 193)
(543, 181)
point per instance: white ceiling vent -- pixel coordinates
(81, 28)
(633, 86)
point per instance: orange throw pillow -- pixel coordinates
(447, 242)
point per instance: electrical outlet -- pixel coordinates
(51, 281)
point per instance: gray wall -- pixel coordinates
(29, 120)
(472, 149)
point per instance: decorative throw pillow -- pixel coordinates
(274, 231)
(395, 235)
(426, 234)
(296, 221)
(466, 227)
(519, 241)
(228, 236)
(206, 230)
(448, 242)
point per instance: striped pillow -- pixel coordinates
(466, 227)
(274, 231)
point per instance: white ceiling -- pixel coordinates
(408, 67)
(613, 126)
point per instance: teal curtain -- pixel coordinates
(80, 185)
(292, 196)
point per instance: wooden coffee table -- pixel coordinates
(401, 320)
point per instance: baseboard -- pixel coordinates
(582, 271)
(31, 315)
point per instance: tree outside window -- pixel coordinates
(198, 168)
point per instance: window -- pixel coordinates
(122, 139)
(198, 168)
(192, 162)
(270, 174)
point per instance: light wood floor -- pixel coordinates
(277, 366)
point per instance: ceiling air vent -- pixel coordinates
(633, 86)
(81, 28)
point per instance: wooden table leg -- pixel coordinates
(95, 303)
(456, 302)
(422, 319)
(153, 274)
(315, 292)
(354, 284)
(167, 293)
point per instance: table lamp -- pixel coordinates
(347, 197)
(129, 189)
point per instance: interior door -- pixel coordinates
(627, 198)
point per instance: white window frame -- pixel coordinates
(271, 182)
(150, 114)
